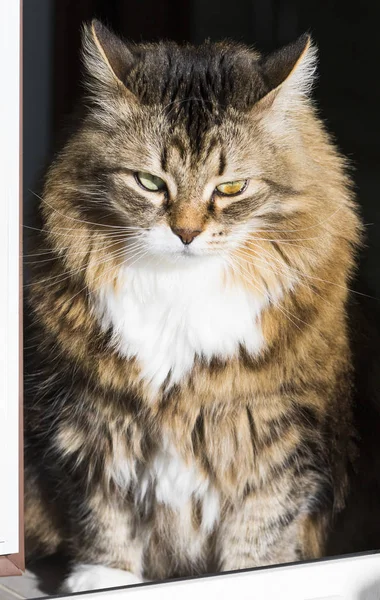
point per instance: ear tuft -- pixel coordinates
(119, 58)
(292, 67)
(107, 59)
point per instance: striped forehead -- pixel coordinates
(180, 155)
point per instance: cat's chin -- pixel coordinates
(86, 577)
(185, 257)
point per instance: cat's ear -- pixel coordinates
(288, 73)
(107, 59)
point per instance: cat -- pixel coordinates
(188, 390)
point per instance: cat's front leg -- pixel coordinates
(268, 527)
(85, 577)
(105, 544)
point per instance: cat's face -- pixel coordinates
(190, 202)
(182, 159)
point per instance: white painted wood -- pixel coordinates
(346, 579)
(9, 273)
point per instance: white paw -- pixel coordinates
(96, 577)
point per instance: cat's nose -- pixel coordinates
(186, 235)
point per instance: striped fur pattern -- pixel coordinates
(188, 408)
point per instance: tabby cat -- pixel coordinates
(188, 391)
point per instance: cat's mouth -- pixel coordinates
(187, 254)
(161, 242)
(188, 251)
(191, 252)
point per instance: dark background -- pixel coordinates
(348, 97)
(347, 91)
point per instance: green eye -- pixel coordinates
(232, 188)
(149, 182)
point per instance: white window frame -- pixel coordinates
(9, 274)
(337, 579)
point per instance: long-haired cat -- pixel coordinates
(189, 373)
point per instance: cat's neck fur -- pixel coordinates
(168, 315)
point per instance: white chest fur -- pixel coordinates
(167, 479)
(166, 316)
(175, 483)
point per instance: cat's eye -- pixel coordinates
(149, 182)
(232, 188)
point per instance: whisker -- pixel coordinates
(319, 224)
(139, 255)
(57, 252)
(283, 310)
(62, 231)
(267, 266)
(327, 281)
(73, 218)
(56, 279)
(237, 237)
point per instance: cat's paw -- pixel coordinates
(97, 577)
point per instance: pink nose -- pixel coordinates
(186, 235)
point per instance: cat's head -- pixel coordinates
(186, 146)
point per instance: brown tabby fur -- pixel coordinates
(272, 432)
